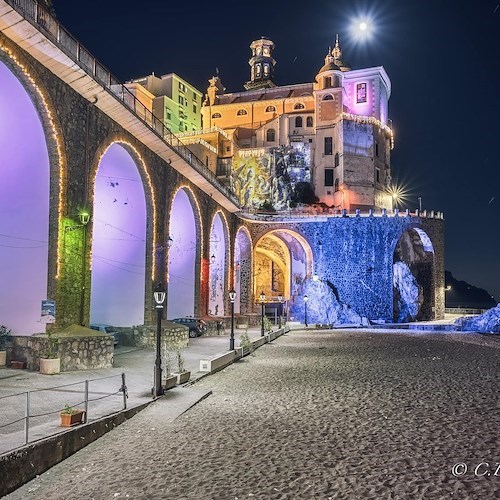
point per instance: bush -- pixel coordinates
(4, 337)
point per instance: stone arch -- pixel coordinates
(30, 222)
(184, 254)
(413, 277)
(243, 256)
(218, 260)
(281, 250)
(122, 273)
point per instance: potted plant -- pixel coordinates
(182, 374)
(50, 364)
(4, 339)
(71, 416)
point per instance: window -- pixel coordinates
(298, 121)
(266, 69)
(258, 69)
(241, 112)
(309, 121)
(271, 135)
(328, 97)
(310, 140)
(328, 145)
(169, 114)
(182, 87)
(376, 149)
(216, 115)
(336, 162)
(299, 105)
(195, 97)
(328, 176)
(195, 109)
(327, 81)
(377, 174)
(336, 186)
(181, 100)
(360, 93)
(270, 109)
(206, 161)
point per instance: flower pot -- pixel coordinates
(3, 358)
(17, 365)
(50, 366)
(170, 382)
(183, 377)
(71, 419)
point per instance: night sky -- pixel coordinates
(442, 57)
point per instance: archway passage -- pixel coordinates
(24, 208)
(282, 261)
(119, 241)
(182, 257)
(413, 268)
(242, 271)
(217, 267)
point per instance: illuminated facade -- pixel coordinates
(171, 98)
(333, 133)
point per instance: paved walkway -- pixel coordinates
(138, 366)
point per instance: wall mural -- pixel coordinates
(217, 268)
(268, 177)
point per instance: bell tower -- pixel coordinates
(261, 65)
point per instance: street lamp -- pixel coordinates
(159, 296)
(262, 298)
(280, 312)
(232, 298)
(306, 298)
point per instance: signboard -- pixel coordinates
(49, 311)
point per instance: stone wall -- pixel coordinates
(172, 333)
(76, 353)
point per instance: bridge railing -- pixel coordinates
(38, 15)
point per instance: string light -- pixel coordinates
(369, 120)
(59, 149)
(142, 164)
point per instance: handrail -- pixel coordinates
(39, 16)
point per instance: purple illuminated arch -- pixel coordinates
(182, 257)
(119, 241)
(243, 271)
(217, 266)
(24, 208)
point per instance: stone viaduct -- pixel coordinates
(87, 116)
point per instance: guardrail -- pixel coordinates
(463, 311)
(39, 16)
(32, 415)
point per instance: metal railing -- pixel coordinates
(28, 416)
(464, 311)
(40, 17)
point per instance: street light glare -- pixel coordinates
(363, 26)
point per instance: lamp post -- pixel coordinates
(159, 296)
(262, 298)
(232, 298)
(306, 298)
(280, 312)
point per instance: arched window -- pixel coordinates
(337, 160)
(299, 105)
(270, 135)
(270, 109)
(258, 69)
(328, 97)
(298, 121)
(241, 112)
(336, 185)
(216, 115)
(266, 69)
(309, 121)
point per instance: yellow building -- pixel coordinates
(333, 133)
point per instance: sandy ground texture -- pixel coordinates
(316, 415)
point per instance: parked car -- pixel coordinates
(110, 330)
(197, 327)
